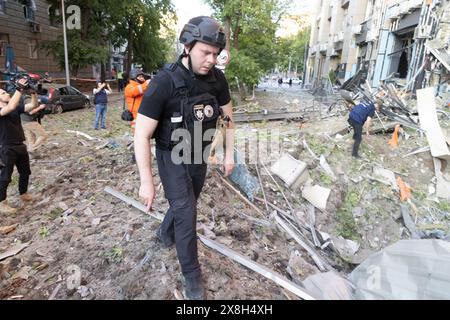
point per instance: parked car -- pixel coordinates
(295, 81)
(66, 98)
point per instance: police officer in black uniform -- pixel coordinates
(13, 152)
(186, 97)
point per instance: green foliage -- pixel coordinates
(81, 53)
(55, 213)
(44, 232)
(251, 26)
(326, 179)
(244, 68)
(346, 224)
(292, 49)
(444, 206)
(115, 22)
(115, 254)
(347, 227)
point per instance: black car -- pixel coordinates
(66, 98)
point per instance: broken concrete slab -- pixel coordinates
(426, 105)
(345, 247)
(317, 196)
(442, 182)
(292, 171)
(387, 176)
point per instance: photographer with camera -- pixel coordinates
(13, 151)
(35, 133)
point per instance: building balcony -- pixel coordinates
(361, 35)
(338, 46)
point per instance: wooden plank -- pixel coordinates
(226, 183)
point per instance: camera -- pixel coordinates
(14, 77)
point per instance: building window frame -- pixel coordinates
(33, 49)
(4, 41)
(2, 6)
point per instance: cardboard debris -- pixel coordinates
(317, 196)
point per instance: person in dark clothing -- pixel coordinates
(186, 96)
(101, 104)
(361, 114)
(13, 152)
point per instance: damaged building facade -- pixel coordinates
(402, 39)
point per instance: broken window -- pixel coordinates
(53, 16)
(29, 9)
(2, 6)
(405, 58)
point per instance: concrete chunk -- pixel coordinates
(292, 171)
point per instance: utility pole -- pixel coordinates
(66, 55)
(289, 72)
(305, 62)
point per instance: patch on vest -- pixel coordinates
(199, 112)
(208, 111)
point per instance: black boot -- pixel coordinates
(194, 289)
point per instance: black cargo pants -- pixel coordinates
(182, 186)
(357, 135)
(10, 156)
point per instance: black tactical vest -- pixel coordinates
(194, 111)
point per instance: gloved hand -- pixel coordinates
(22, 84)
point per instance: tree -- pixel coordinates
(250, 26)
(115, 22)
(80, 53)
(291, 50)
(138, 23)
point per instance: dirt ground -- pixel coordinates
(86, 244)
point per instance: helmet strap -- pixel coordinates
(191, 72)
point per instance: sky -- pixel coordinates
(187, 9)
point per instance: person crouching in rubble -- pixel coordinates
(362, 114)
(13, 151)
